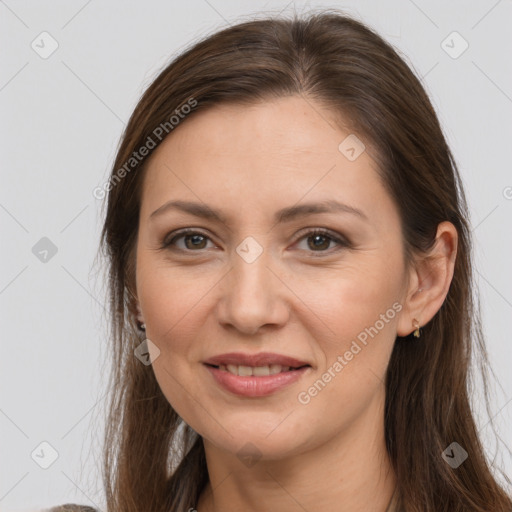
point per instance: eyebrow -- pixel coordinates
(284, 215)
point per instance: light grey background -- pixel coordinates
(61, 119)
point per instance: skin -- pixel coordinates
(206, 300)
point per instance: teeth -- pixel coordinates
(231, 368)
(244, 371)
(257, 371)
(261, 371)
(276, 368)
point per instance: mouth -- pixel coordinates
(240, 363)
(255, 375)
(256, 371)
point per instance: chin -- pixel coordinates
(258, 441)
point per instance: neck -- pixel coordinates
(349, 473)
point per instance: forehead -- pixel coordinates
(265, 128)
(262, 156)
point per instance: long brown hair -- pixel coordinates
(152, 460)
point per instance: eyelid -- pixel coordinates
(338, 238)
(173, 235)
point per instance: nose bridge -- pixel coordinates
(250, 272)
(251, 295)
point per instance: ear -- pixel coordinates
(134, 306)
(140, 317)
(432, 274)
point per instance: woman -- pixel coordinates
(291, 288)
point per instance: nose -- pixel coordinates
(252, 296)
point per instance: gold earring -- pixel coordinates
(416, 325)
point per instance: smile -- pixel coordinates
(258, 381)
(256, 371)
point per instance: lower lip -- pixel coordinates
(256, 386)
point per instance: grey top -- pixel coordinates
(72, 507)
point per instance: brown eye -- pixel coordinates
(320, 240)
(193, 240)
(196, 241)
(317, 241)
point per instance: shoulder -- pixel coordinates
(71, 507)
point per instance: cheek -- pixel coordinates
(174, 309)
(362, 313)
(358, 307)
(172, 298)
(354, 297)
(339, 309)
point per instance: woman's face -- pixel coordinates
(260, 282)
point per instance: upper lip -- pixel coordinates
(261, 359)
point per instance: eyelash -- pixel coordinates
(343, 243)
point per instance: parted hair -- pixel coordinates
(150, 463)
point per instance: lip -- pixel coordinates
(255, 386)
(260, 359)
